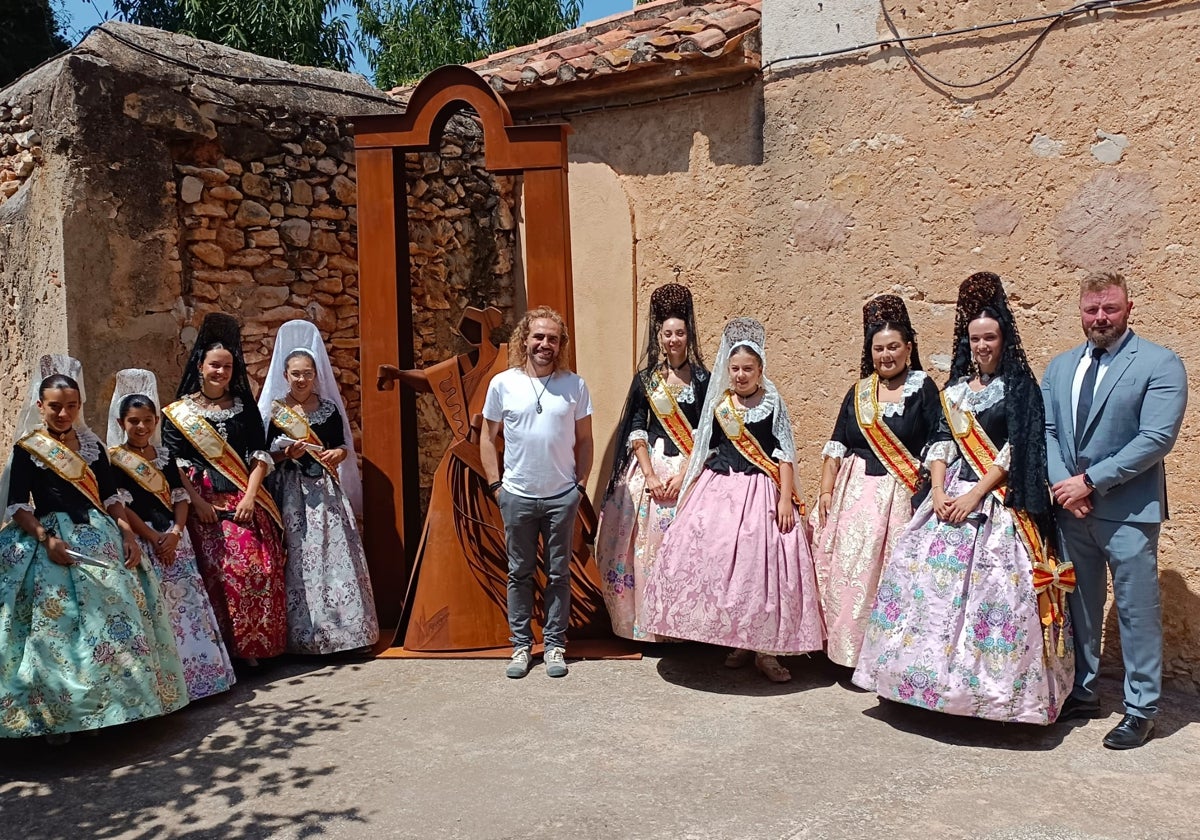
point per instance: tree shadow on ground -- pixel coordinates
(188, 775)
(701, 667)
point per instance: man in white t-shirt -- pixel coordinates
(545, 413)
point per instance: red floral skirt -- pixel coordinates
(242, 567)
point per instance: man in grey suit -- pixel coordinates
(1113, 409)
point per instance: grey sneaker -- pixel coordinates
(518, 666)
(556, 663)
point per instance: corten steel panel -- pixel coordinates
(392, 532)
(391, 520)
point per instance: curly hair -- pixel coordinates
(518, 354)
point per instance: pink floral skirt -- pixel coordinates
(955, 626)
(632, 527)
(727, 575)
(866, 516)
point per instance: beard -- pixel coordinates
(1106, 337)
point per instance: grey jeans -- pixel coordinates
(524, 521)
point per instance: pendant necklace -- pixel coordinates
(536, 396)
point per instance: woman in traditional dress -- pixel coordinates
(970, 614)
(734, 569)
(330, 606)
(84, 639)
(870, 473)
(215, 433)
(654, 442)
(156, 504)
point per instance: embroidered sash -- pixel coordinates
(1052, 578)
(887, 447)
(297, 428)
(66, 463)
(217, 451)
(147, 475)
(670, 415)
(749, 447)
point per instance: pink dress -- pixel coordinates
(726, 574)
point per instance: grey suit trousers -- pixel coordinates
(1130, 551)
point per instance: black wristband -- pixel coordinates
(1087, 479)
(494, 486)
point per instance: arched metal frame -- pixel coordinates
(392, 520)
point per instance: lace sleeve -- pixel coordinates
(264, 457)
(834, 450)
(123, 496)
(11, 510)
(636, 435)
(114, 499)
(781, 427)
(178, 494)
(945, 451)
(1004, 457)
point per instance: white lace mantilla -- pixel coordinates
(324, 410)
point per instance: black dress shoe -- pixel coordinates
(1075, 709)
(1131, 732)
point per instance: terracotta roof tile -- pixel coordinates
(652, 33)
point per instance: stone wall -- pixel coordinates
(866, 179)
(183, 193)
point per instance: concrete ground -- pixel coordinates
(667, 747)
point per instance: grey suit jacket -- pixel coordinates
(1134, 421)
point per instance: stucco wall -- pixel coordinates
(869, 180)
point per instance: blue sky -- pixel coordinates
(84, 14)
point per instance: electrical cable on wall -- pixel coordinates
(1053, 19)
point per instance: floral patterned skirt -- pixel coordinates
(330, 605)
(727, 575)
(81, 647)
(206, 665)
(955, 625)
(242, 567)
(632, 526)
(866, 516)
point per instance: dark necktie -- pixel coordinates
(1087, 390)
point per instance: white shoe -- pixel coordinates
(518, 665)
(556, 662)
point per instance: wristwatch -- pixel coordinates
(44, 538)
(1087, 479)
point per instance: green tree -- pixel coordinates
(30, 34)
(308, 32)
(405, 39)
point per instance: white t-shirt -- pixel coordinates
(539, 448)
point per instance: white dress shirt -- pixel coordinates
(1081, 369)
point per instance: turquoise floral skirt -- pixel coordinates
(81, 647)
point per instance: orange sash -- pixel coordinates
(147, 475)
(887, 447)
(217, 451)
(296, 425)
(747, 444)
(66, 463)
(1052, 578)
(667, 410)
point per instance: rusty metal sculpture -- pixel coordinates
(455, 593)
